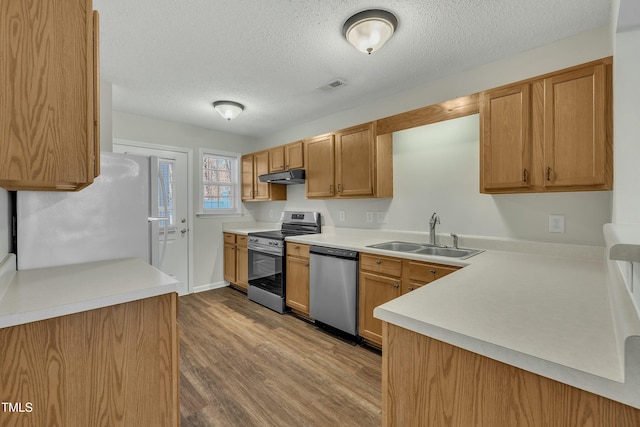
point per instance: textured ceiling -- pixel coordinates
(171, 59)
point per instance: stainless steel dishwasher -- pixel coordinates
(333, 289)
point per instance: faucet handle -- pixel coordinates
(435, 219)
(455, 240)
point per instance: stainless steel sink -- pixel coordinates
(426, 249)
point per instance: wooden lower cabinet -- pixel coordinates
(384, 278)
(112, 366)
(236, 260)
(426, 382)
(297, 273)
(374, 290)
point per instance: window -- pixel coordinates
(219, 191)
(166, 206)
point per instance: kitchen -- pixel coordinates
(507, 216)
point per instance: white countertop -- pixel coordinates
(545, 308)
(33, 295)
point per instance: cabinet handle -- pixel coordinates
(378, 262)
(306, 265)
(339, 188)
(396, 286)
(330, 189)
(524, 175)
(296, 247)
(432, 271)
(548, 173)
(410, 288)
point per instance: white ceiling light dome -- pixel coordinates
(228, 109)
(370, 29)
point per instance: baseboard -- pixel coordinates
(210, 286)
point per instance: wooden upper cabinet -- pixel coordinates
(286, 157)
(320, 166)
(49, 126)
(551, 133)
(575, 140)
(253, 165)
(505, 135)
(355, 161)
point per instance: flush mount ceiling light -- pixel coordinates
(370, 29)
(228, 109)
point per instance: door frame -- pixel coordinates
(189, 153)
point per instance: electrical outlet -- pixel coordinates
(342, 216)
(270, 213)
(556, 223)
(382, 217)
(369, 216)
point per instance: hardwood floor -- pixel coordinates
(244, 365)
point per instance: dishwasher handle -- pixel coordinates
(334, 252)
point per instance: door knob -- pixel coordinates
(184, 230)
(183, 220)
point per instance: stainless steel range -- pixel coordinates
(267, 271)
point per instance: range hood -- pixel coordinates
(295, 176)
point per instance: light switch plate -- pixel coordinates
(369, 216)
(556, 223)
(342, 216)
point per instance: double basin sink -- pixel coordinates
(427, 249)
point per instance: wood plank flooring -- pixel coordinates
(244, 365)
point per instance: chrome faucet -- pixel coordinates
(435, 219)
(454, 236)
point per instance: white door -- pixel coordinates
(173, 191)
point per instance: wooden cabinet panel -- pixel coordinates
(427, 382)
(49, 130)
(426, 273)
(229, 238)
(298, 249)
(294, 155)
(505, 131)
(253, 165)
(114, 366)
(241, 240)
(381, 264)
(261, 167)
(355, 161)
(297, 292)
(320, 166)
(276, 159)
(551, 133)
(374, 290)
(574, 128)
(230, 262)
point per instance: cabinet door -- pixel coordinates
(294, 155)
(261, 167)
(247, 176)
(230, 263)
(297, 292)
(277, 159)
(320, 166)
(506, 138)
(49, 87)
(355, 161)
(242, 267)
(575, 140)
(374, 291)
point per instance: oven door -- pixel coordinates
(265, 271)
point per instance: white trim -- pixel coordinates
(210, 286)
(190, 213)
(237, 208)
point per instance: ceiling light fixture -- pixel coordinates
(370, 29)
(228, 109)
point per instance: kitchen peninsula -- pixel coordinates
(549, 313)
(89, 344)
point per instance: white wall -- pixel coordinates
(421, 175)
(106, 113)
(436, 169)
(206, 232)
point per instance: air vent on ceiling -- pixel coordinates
(333, 85)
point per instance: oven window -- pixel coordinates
(265, 271)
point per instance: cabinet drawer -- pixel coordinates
(298, 249)
(381, 264)
(241, 240)
(229, 238)
(426, 273)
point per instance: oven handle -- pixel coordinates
(278, 252)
